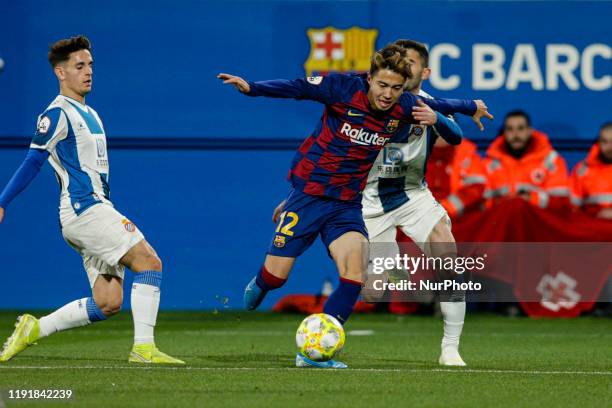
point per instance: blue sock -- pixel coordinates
(341, 302)
(93, 311)
(152, 278)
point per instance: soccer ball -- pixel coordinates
(320, 337)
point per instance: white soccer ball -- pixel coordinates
(320, 337)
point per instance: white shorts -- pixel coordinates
(102, 236)
(416, 218)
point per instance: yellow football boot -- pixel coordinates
(27, 331)
(149, 354)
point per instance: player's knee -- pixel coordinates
(352, 273)
(458, 296)
(110, 304)
(453, 296)
(112, 309)
(441, 236)
(354, 269)
(279, 271)
(150, 262)
(155, 263)
(280, 267)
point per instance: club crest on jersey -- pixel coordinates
(392, 125)
(417, 130)
(336, 50)
(128, 225)
(280, 241)
(44, 124)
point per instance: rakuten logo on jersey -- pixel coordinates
(362, 137)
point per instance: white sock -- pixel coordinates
(74, 314)
(453, 314)
(145, 303)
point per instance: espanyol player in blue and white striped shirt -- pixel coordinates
(71, 136)
(396, 196)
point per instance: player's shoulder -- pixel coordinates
(52, 121)
(340, 87)
(55, 107)
(50, 116)
(346, 77)
(346, 82)
(59, 107)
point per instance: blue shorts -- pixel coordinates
(306, 216)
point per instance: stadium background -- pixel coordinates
(199, 167)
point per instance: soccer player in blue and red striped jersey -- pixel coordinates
(330, 169)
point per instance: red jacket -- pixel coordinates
(591, 183)
(541, 173)
(455, 176)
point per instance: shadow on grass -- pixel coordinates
(67, 360)
(248, 358)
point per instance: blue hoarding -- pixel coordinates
(156, 61)
(208, 212)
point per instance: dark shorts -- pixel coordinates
(306, 216)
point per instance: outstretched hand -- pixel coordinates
(423, 114)
(240, 84)
(1, 214)
(481, 111)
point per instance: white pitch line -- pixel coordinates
(409, 333)
(360, 332)
(385, 370)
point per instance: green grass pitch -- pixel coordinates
(246, 359)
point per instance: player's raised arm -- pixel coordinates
(22, 177)
(445, 127)
(448, 129)
(481, 111)
(477, 109)
(319, 89)
(51, 127)
(240, 84)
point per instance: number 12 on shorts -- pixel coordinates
(293, 220)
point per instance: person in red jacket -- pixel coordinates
(521, 162)
(592, 178)
(455, 176)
